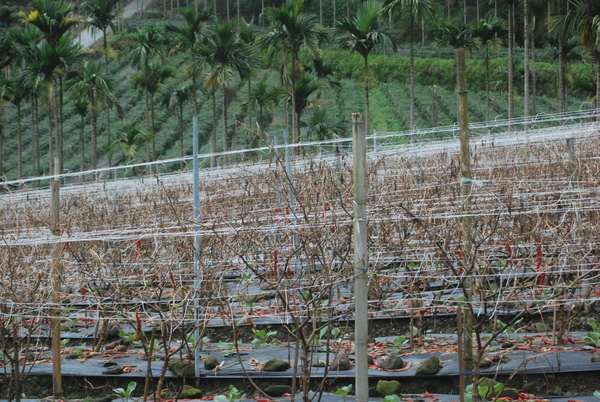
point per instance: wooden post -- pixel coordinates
(586, 287)
(461, 363)
(197, 250)
(466, 201)
(361, 256)
(56, 271)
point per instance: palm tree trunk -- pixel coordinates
(82, 142)
(487, 82)
(225, 136)
(34, 136)
(597, 82)
(152, 133)
(213, 137)
(533, 81)
(367, 119)
(526, 33)
(19, 144)
(94, 141)
(511, 93)
(561, 75)
(2, 149)
(321, 12)
(51, 116)
(334, 13)
(181, 163)
(105, 42)
(412, 88)
(59, 130)
(295, 131)
(148, 128)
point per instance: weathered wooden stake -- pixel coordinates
(361, 256)
(197, 250)
(467, 219)
(56, 271)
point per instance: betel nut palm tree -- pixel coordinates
(97, 89)
(290, 30)
(414, 10)
(230, 58)
(101, 15)
(361, 34)
(583, 19)
(487, 33)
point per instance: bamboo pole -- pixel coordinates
(56, 270)
(361, 256)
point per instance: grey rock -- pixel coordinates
(276, 364)
(114, 370)
(278, 390)
(341, 362)
(392, 363)
(211, 362)
(430, 366)
(385, 388)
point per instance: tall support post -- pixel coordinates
(288, 167)
(56, 272)
(586, 286)
(466, 200)
(361, 256)
(289, 172)
(197, 251)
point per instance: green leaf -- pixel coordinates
(392, 398)
(256, 342)
(483, 391)
(323, 332)
(597, 394)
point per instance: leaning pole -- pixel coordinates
(361, 256)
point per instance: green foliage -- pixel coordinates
(262, 336)
(233, 395)
(505, 328)
(344, 391)
(593, 336)
(392, 398)
(125, 393)
(484, 391)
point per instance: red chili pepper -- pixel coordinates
(275, 262)
(546, 341)
(509, 249)
(238, 335)
(84, 290)
(138, 327)
(173, 281)
(66, 247)
(251, 323)
(138, 244)
(538, 266)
